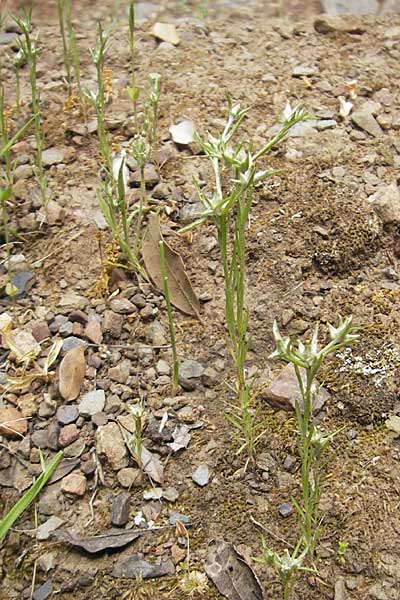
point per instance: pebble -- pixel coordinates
(201, 475)
(120, 509)
(163, 368)
(122, 306)
(92, 403)
(285, 510)
(25, 342)
(75, 449)
(190, 369)
(78, 316)
(45, 530)
(70, 300)
(44, 591)
(176, 516)
(53, 156)
(330, 23)
(72, 342)
(56, 323)
(68, 435)
(340, 589)
(366, 121)
(39, 438)
(27, 405)
(23, 281)
(166, 32)
(304, 71)
(12, 423)
(134, 567)
(74, 483)
(93, 331)
(129, 477)
(111, 446)
(67, 414)
(99, 419)
(40, 331)
(386, 203)
(151, 177)
(120, 373)
(113, 323)
(284, 388)
(190, 212)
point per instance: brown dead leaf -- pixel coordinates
(180, 289)
(231, 574)
(110, 539)
(72, 373)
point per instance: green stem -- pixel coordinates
(175, 378)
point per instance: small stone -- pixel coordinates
(75, 449)
(113, 323)
(23, 281)
(92, 403)
(147, 312)
(176, 516)
(53, 214)
(289, 463)
(53, 156)
(68, 435)
(111, 446)
(367, 122)
(386, 203)
(163, 368)
(39, 438)
(44, 591)
(285, 510)
(190, 369)
(340, 589)
(304, 71)
(134, 567)
(201, 475)
(12, 423)
(151, 177)
(48, 407)
(284, 390)
(120, 373)
(330, 23)
(40, 331)
(130, 477)
(67, 414)
(27, 405)
(23, 172)
(122, 306)
(46, 561)
(74, 483)
(139, 300)
(66, 329)
(156, 334)
(78, 316)
(57, 322)
(166, 32)
(72, 342)
(70, 301)
(45, 530)
(93, 331)
(120, 509)
(24, 341)
(53, 431)
(190, 212)
(210, 377)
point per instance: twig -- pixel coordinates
(271, 533)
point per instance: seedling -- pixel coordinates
(132, 44)
(230, 211)
(61, 7)
(175, 377)
(19, 61)
(74, 52)
(16, 511)
(30, 50)
(136, 441)
(341, 550)
(155, 89)
(312, 441)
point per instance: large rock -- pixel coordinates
(354, 7)
(284, 390)
(330, 23)
(365, 120)
(386, 203)
(111, 447)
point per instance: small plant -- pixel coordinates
(135, 441)
(312, 441)
(98, 99)
(73, 53)
(155, 90)
(175, 376)
(19, 61)
(16, 511)
(66, 51)
(341, 550)
(230, 211)
(29, 50)
(132, 48)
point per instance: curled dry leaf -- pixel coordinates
(152, 465)
(110, 539)
(72, 373)
(180, 289)
(231, 574)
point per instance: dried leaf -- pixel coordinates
(180, 289)
(181, 437)
(110, 539)
(152, 465)
(72, 373)
(52, 355)
(65, 466)
(231, 574)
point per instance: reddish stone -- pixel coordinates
(78, 316)
(77, 329)
(93, 331)
(40, 331)
(68, 435)
(75, 484)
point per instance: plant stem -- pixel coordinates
(175, 377)
(66, 49)
(132, 42)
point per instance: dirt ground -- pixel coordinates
(318, 247)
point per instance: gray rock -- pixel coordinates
(190, 212)
(156, 334)
(7, 38)
(53, 156)
(284, 390)
(70, 301)
(120, 509)
(145, 11)
(44, 591)
(72, 342)
(23, 281)
(122, 306)
(111, 446)
(304, 71)
(354, 7)
(366, 121)
(92, 403)
(176, 516)
(57, 322)
(39, 438)
(23, 172)
(163, 368)
(201, 475)
(285, 510)
(135, 567)
(45, 530)
(303, 129)
(190, 369)
(340, 589)
(386, 203)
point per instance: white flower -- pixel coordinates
(117, 163)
